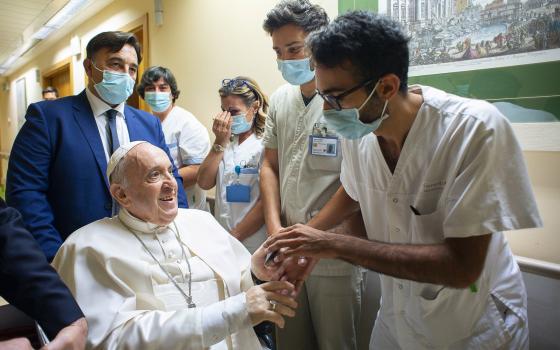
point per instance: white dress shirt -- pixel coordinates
(99, 107)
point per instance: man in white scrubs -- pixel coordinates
(437, 178)
(155, 277)
(185, 136)
(300, 172)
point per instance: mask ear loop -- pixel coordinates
(371, 94)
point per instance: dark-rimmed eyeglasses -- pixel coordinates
(334, 101)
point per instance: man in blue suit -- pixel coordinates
(56, 173)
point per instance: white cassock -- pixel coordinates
(130, 302)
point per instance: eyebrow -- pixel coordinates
(120, 60)
(290, 44)
(331, 90)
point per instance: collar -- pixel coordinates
(139, 225)
(99, 107)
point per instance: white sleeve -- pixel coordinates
(346, 178)
(490, 191)
(270, 139)
(190, 328)
(193, 143)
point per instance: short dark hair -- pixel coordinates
(155, 73)
(50, 89)
(374, 44)
(114, 41)
(299, 12)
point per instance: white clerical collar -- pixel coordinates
(137, 224)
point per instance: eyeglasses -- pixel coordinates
(334, 101)
(238, 83)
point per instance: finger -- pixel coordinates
(274, 317)
(287, 243)
(284, 310)
(282, 299)
(298, 286)
(276, 285)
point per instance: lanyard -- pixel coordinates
(188, 297)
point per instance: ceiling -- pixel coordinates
(15, 17)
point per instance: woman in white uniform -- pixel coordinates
(234, 161)
(186, 137)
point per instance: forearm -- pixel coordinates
(340, 207)
(270, 196)
(196, 328)
(208, 170)
(431, 263)
(189, 174)
(251, 223)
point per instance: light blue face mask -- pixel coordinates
(347, 123)
(115, 87)
(158, 101)
(240, 124)
(296, 72)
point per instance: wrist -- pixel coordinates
(218, 147)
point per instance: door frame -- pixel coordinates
(57, 68)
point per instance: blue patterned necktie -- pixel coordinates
(111, 127)
(113, 139)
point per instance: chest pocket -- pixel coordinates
(326, 163)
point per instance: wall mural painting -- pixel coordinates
(454, 35)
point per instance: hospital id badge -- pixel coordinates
(326, 146)
(238, 193)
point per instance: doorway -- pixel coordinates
(60, 77)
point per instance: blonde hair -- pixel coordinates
(249, 92)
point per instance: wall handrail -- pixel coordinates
(539, 267)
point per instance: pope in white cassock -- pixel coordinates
(159, 277)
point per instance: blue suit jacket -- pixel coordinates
(57, 169)
(28, 281)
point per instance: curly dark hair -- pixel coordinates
(373, 44)
(155, 73)
(299, 12)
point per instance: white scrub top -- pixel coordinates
(188, 143)
(249, 156)
(462, 169)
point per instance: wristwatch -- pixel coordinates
(218, 148)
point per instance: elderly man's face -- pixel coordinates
(150, 192)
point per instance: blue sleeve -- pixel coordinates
(181, 196)
(28, 281)
(28, 180)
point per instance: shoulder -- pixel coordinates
(283, 92)
(465, 112)
(104, 230)
(143, 115)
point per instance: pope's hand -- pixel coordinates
(222, 128)
(266, 302)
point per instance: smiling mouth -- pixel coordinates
(168, 198)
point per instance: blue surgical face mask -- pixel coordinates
(296, 72)
(158, 101)
(240, 124)
(347, 123)
(115, 87)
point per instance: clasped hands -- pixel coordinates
(299, 249)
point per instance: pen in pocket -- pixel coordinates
(414, 210)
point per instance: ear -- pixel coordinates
(88, 67)
(390, 85)
(118, 192)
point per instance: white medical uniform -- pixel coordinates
(130, 303)
(248, 155)
(329, 303)
(462, 169)
(188, 143)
